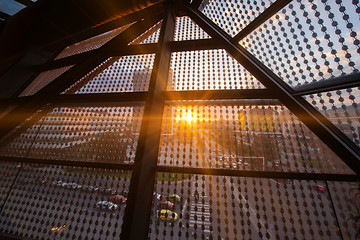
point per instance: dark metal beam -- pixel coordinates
(250, 96)
(346, 81)
(224, 102)
(195, 45)
(263, 17)
(76, 72)
(99, 98)
(151, 11)
(261, 174)
(219, 94)
(25, 2)
(175, 46)
(64, 162)
(65, 80)
(119, 51)
(139, 203)
(316, 122)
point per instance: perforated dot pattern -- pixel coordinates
(91, 43)
(208, 70)
(101, 134)
(341, 107)
(117, 74)
(224, 207)
(48, 202)
(308, 41)
(18, 141)
(186, 29)
(233, 16)
(257, 137)
(42, 80)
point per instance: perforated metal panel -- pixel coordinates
(91, 43)
(233, 16)
(341, 108)
(102, 134)
(245, 137)
(117, 74)
(186, 29)
(208, 70)
(45, 201)
(308, 41)
(224, 168)
(42, 80)
(221, 207)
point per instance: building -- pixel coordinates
(211, 119)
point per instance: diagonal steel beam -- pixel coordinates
(341, 82)
(139, 205)
(263, 17)
(78, 58)
(62, 82)
(316, 122)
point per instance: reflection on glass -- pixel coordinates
(256, 137)
(223, 207)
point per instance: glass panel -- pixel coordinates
(94, 134)
(49, 202)
(117, 74)
(341, 107)
(221, 207)
(42, 80)
(246, 137)
(208, 70)
(91, 43)
(233, 16)
(186, 29)
(150, 36)
(308, 41)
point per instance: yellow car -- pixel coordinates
(167, 215)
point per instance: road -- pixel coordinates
(239, 208)
(213, 207)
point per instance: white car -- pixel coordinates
(105, 205)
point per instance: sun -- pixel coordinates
(189, 117)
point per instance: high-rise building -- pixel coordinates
(180, 119)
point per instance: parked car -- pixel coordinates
(167, 215)
(117, 199)
(318, 188)
(57, 183)
(107, 191)
(167, 205)
(174, 198)
(89, 188)
(105, 205)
